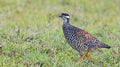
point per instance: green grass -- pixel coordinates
(31, 32)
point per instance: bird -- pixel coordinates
(79, 39)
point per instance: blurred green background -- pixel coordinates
(31, 32)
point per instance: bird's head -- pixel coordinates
(64, 16)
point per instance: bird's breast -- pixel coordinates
(70, 36)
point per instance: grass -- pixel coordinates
(31, 32)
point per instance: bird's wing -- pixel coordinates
(87, 38)
(86, 35)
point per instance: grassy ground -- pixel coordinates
(31, 32)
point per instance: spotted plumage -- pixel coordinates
(79, 39)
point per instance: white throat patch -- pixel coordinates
(67, 16)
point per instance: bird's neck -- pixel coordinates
(66, 21)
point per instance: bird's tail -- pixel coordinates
(103, 45)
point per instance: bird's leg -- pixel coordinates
(88, 54)
(80, 58)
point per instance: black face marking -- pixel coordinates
(64, 15)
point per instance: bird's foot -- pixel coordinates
(80, 59)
